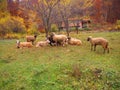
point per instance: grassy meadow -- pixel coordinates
(61, 68)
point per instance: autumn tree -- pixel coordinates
(44, 9)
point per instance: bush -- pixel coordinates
(85, 29)
(11, 25)
(118, 22)
(4, 29)
(117, 26)
(33, 29)
(18, 25)
(54, 28)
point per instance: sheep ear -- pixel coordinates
(35, 35)
(18, 41)
(90, 36)
(88, 39)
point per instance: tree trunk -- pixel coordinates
(67, 27)
(46, 31)
(77, 29)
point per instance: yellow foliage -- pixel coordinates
(117, 27)
(65, 2)
(21, 20)
(87, 3)
(3, 20)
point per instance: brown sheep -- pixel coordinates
(31, 38)
(98, 41)
(23, 44)
(74, 41)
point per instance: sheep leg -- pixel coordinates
(107, 50)
(94, 47)
(91, 47)
(64, 43)
(104, 50)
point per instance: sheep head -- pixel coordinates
(69, 38)
(88, 39)
(18, 43)
(35, 36)
(52, 34)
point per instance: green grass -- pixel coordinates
(61, 68)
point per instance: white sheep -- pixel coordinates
(74, 41)
(23, 44)
(98, 41)
(59, 39)
(42, 43)
(31, 38)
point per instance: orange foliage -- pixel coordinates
(98, 8)
(41, 29)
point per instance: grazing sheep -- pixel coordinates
(42, 43)
(23, 44)
(31, 38)
(98, 41)
(59, 39)
(74, 41)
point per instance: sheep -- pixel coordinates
(42, 43)
(59, 39)
(23, 44)
(52, 42)
(98, 41)
(31, 38)
(74, 41)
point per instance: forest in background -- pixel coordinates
(18, 17)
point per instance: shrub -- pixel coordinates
(117, 26)
(118, 22)
(4, 29)
(11, 25)
(85, 29)
(33, 29)
(54, 28)
(18, 25)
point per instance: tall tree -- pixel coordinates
(65, 12)
(44, 9)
